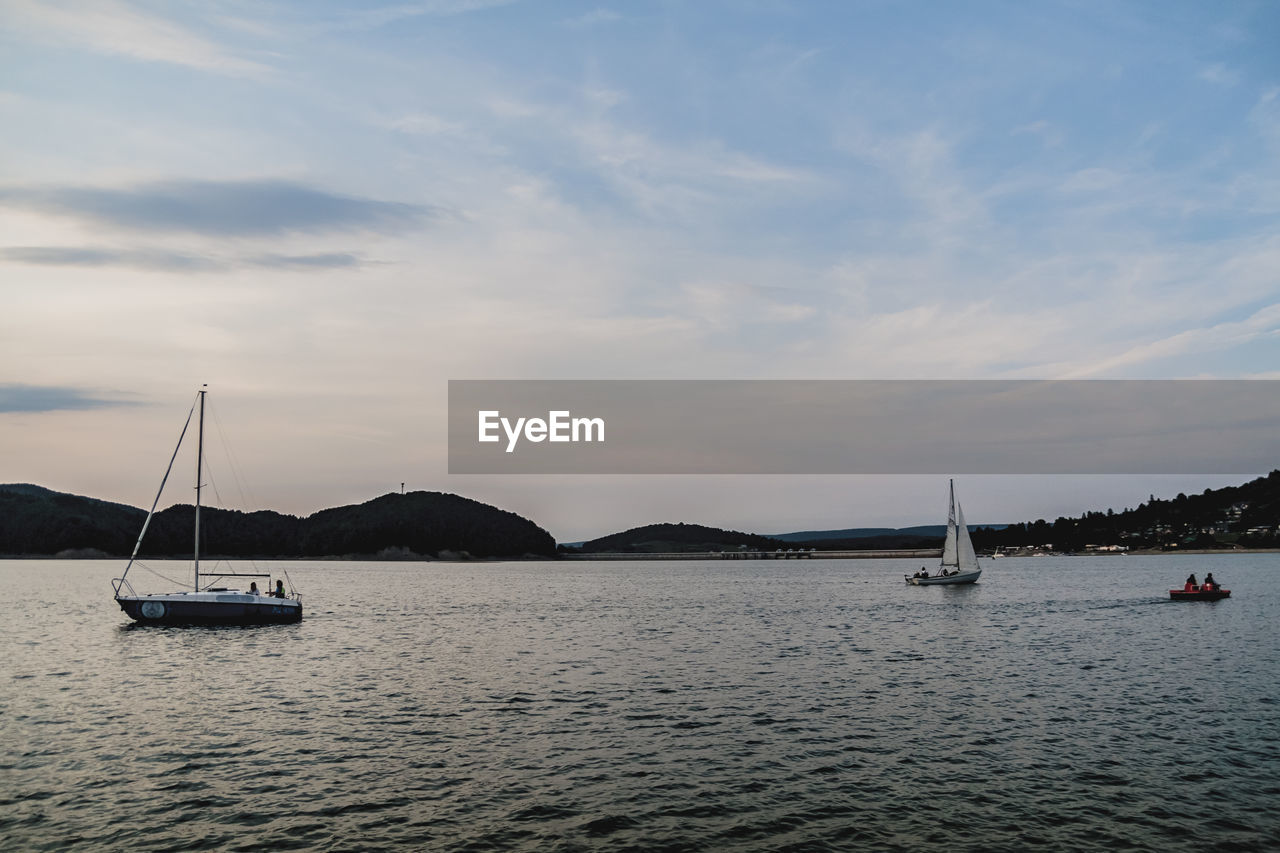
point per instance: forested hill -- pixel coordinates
(35, 521)
(672, 538)
(686, 538)
(1245, 516)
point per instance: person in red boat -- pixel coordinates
(1209, 583)
(1190, 585)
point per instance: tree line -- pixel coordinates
(1245, 516)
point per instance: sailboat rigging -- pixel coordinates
(213, 605)
(959, 561)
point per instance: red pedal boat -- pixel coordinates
(1199, 594)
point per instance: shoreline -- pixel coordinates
(621, 556)
(1148, 552)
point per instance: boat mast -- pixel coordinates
(951, 544)
(199, 459)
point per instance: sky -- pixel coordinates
(326, 211)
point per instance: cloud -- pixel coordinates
(112, 27)
(1265, 322)
(1219, 74)
(1049, 135)
(592, 18)
(615, 148)
(375, 18)
(1092, 180)
(603, 97)
(168, 261)
(330, 260)
(86, 256)
(687, 182)
(50, 398)
(1265, 116)
(219, 208)
(426, 124)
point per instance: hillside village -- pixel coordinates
(1245, 516)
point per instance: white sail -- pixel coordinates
(968, 560)
(949, 548)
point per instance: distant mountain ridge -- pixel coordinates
(1244, 516)
(35, 521)
(685, 538)
(922, 530)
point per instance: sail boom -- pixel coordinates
(235, 574)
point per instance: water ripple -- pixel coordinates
(804, 706)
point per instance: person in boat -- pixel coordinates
(1209, 583)
(279, 593)
(253, 588)
(1190, 585)
(923, 573)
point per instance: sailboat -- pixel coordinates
(210, 605)
(959, 562)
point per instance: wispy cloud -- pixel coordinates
(1265, 116)
(603, 97)
(1219, 74)
(370, 19)
(85, 256)
(684, 180)
(172, 261)
(1221, 336)
(113, 27)
(326, 261)
(220, 208)
(52, 398)
(1049, 135)
(939, 205)
(425, 124)
(593, 18)
(620, 148)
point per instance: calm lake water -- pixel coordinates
(1061, 703)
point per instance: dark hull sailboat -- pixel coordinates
(210, 606)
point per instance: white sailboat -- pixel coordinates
(210, 605)
(959, 562)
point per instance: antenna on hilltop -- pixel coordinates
(402, 488)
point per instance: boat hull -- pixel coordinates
(210, 609)
(948, 580)
(1199, 594)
